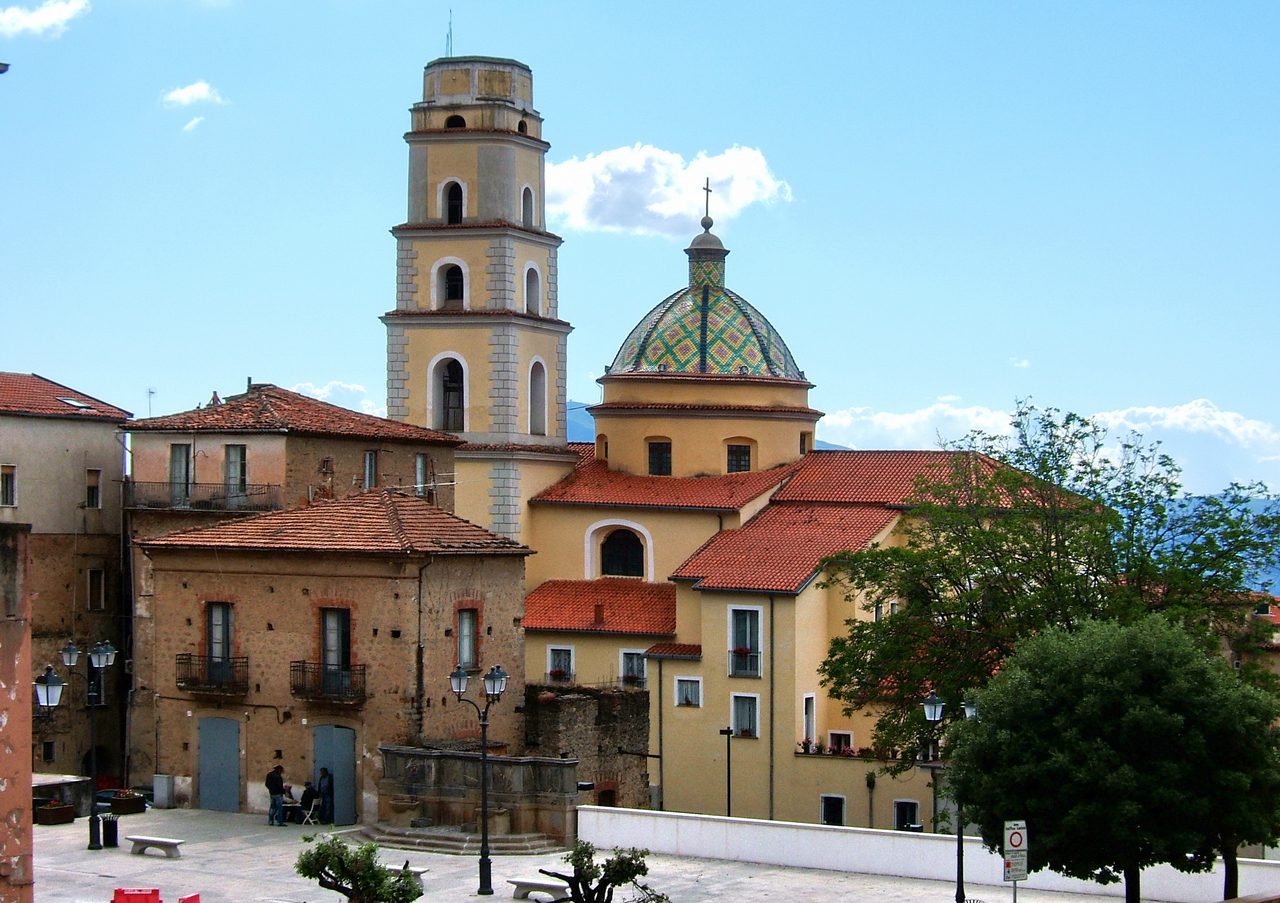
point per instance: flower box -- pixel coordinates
(128, 805)
(60, 814)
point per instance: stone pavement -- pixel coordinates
(236, 858)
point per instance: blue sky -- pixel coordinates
(942, 207)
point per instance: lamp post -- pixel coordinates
(727, 733)
(101, 657)
(933, 714)
(495, 684)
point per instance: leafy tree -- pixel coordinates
(1121, 746)
(1055, 525)
(356, 873)
(593, 882)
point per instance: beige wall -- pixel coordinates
(276, 604)
(51, 456)
(597, 658)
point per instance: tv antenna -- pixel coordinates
(150, 392)
(448, 41)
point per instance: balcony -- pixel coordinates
(322, 683)
(202, 496)
(744, 663)
(212, 676)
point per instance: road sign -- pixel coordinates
(1015, 851)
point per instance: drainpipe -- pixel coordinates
(773, 667)
(420, 688)
(662, 784)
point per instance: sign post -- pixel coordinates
(1015, 854)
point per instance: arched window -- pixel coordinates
(453, 203)
(538, 399)
(526, 208)
(602, 448)
(622, 554)
(450, 396)
(451, 287)
(455, 122)
(532, 292)
(523, 127)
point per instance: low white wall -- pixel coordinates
(865, 850)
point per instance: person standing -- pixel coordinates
(275, 787)
(325, 785)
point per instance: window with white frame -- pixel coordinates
(559, 663)
(8, 485)
(632, 667)
(96, 589)
(886, 609)
(744, 642)
(839, 741)
(746, 714)
(810, 717)
(93, 488)
(468, 622)
(689, 691)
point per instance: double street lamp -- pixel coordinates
(495, 684)
(49, 687)
(933, 706)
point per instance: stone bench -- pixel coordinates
(557, 889)
(167, 845)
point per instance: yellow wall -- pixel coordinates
(596, 656)
(264, 454)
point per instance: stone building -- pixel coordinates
(16, 874)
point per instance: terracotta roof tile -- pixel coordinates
(674, 650)
(593, 483)
(607, 605)
(517, 447)
(378, 522)
(864, 477)
(268, 408)
(30, 395)
(779, 549)
(679, 407)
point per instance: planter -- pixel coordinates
(128, 805)
(54, 815)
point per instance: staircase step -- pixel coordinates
(454, 842)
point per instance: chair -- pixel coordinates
(309, 815)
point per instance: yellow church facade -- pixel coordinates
(679, 552)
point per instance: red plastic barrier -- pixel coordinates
(137, 895)
(189, 898)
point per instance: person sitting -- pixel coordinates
(309, 796)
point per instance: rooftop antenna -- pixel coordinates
(448, 41)
(150, 392)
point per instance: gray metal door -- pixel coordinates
(335, 749)
(219, 764)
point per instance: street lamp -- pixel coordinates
(495, 684)
(933, 714)
(727, 733)
(49, 690)
(101, 657)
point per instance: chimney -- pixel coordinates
(599, 614)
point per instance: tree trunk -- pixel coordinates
(1132, 884)
(1230, 872)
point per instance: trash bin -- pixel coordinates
(110, 831)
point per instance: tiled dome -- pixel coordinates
(706, 329)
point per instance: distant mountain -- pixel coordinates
(582, 426)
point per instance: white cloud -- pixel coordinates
(196, 92)
(1020, 363)
(191, 126)
(49, 18)
(346, 395)
(1198, 416)
(648, 190)
(863, 427)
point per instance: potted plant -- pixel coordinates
(741, 650)
(631, 679)
(54, 812)
(558, 674)
(128, 802)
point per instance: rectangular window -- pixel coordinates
(906, 815)
(739, 458)
(237, 473)
(218, 642)
(93, 488)
(660, 459)
(810, 717)
(804, 443)
(832, 810)
(886, 609)
(95, 688)
(8, 485)
(371, 469)
(746, 715)
(96, 589)
(744, 639)
(47, 750)
(422, 475)
(838, 741)
(335, 650)
(179, 475)
(689, 691)
(468, 619)
(559, 663)
(633, 669)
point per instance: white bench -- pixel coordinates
(168, 845)
(557, 889)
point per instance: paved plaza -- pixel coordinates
(235, 858)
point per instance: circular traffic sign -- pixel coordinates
(1015, 840)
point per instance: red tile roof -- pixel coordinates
(674, 650)
(865, 477)
(678, 407)
(269, 409)
(607, 605)
(378, 522)
(592, 483)
(779, 549)
(29, 395)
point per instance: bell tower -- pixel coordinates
(475, 345)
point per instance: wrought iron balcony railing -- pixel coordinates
(314, 680)
(213, 676)
(744, 664)
(203, 496)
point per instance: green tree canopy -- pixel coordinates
(1121, 746)
(356, 873)
(1054, 525)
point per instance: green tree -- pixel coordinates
(1054, 525)
(356, 873)
(593, 882)
(1122, 746)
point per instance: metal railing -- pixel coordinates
(203, 496)
(314, 680)
(221, 676)
(744, 664)
(559, 676)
